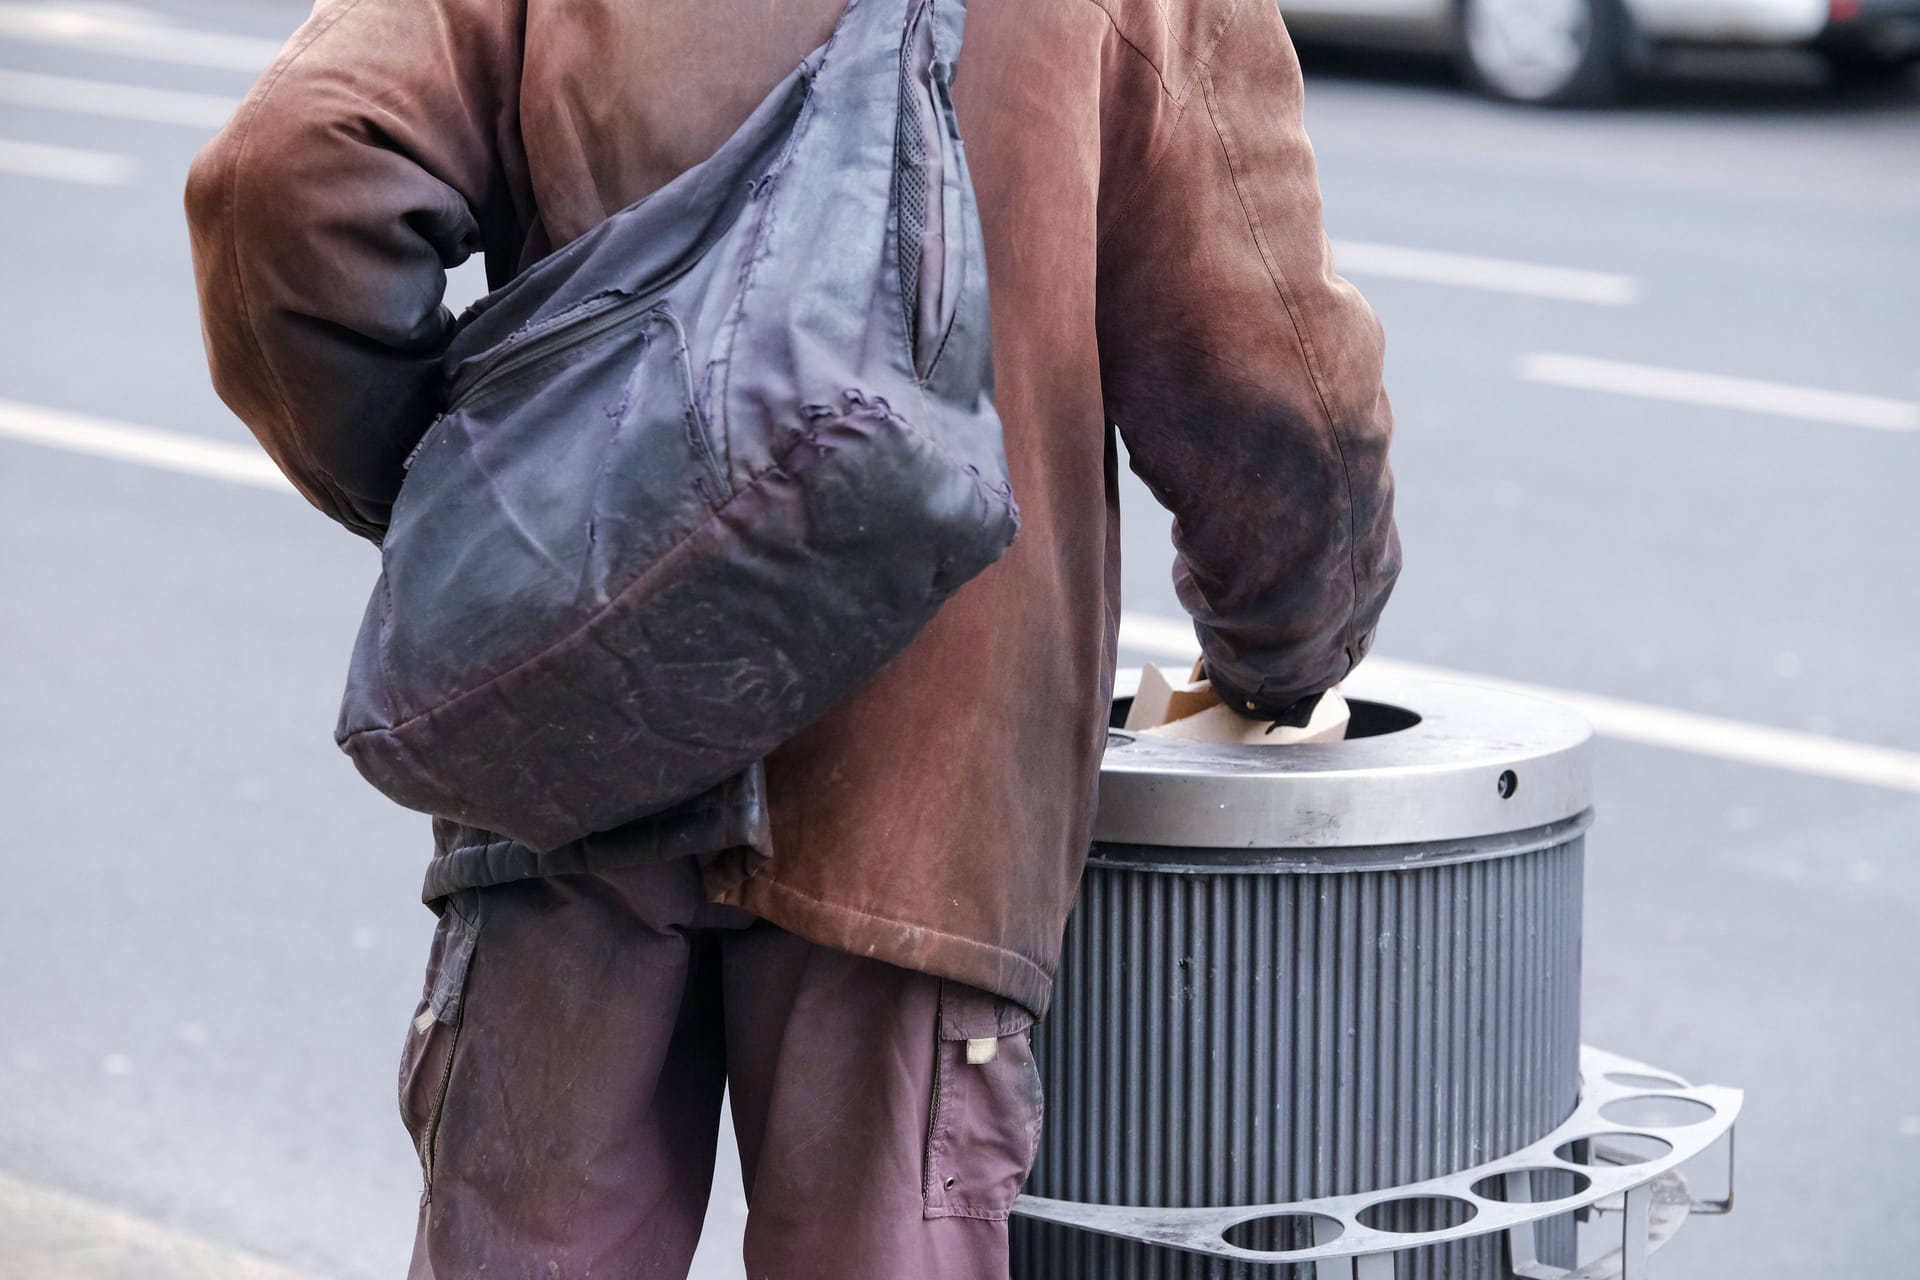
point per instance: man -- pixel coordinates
(861, 949)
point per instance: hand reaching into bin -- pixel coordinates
(1194, 712)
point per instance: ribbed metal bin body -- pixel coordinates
(1246, 1027)
(1203, 1021)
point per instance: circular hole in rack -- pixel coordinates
(1634, 1080)
(1543, 1186)
(1417, 1213)
(1613, 1149)
(1283, 1232)
(1508, 783)
(1656, 1111)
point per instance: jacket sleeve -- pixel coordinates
(371, 157)
(1245, 377)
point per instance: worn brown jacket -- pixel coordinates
(1157, 264)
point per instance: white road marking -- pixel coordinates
(46, 1233)
(1495, 275)
(170, 450)
(1684, 387)
(124, 101)
(64, 164)
(1808, 753)
(133, 34)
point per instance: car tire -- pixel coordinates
(1849, 67)
(1545, 52)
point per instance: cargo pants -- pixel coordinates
(562, 1083)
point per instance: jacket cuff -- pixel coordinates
(1292, 712)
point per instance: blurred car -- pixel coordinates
(1567, 51)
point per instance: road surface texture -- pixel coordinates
(1656, 378)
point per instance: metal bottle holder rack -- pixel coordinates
(1317, 1016)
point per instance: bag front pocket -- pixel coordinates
(426, 1063)
(983, 1123)
(928, 228)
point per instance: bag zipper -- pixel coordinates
(592, 317)
(589, 321)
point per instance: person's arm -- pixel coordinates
(371, 157)
(1245, 377)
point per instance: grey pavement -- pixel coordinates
(210, 939)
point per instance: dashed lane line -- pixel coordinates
(169, 450)
(122, 101)
(64, 164)
(1167, 638)
(1639, 722)
(1494, 275)
(1747, 395)
(130, 33)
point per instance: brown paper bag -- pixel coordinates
(1192, 712)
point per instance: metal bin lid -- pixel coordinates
(1439, 761)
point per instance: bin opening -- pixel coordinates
(1373, 719)
(1368, 719)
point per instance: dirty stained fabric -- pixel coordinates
(696, 478)
(886, 1119)
(1153, 239)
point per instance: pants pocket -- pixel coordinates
(426, 1063)
(983, 1123)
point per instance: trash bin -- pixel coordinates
(1312, 971)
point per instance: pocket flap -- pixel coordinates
(968, 1013)
(451, 953)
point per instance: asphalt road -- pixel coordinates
(210, 942)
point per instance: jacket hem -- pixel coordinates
(896, 942)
